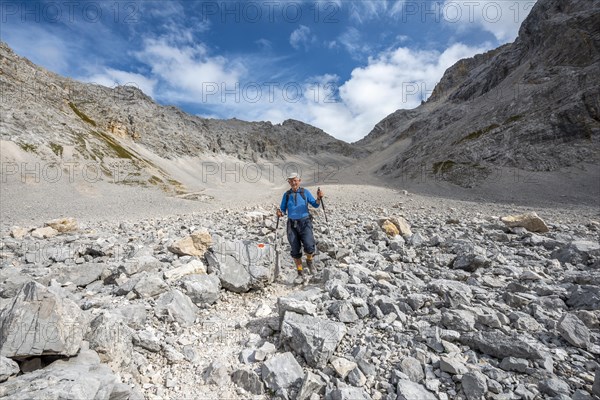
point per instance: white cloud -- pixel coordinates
(397, 7)
(188, 72)
(112, 77)
(354, 44)
(395, 79)
(301, 37)
(501, 18)
(364, 11)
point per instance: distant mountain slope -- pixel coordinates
(50, 116)
(532, 105)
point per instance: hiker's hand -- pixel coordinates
(319, 194)
(279, 213)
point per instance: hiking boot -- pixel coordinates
(303, 277)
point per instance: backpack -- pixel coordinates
(301, 191)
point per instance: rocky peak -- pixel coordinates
(529, 106)
(556, 34)
(383, 130)
(82, 121)
(126, 112)
(460, 73)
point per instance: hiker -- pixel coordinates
(299, 225)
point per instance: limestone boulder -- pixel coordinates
(203, 289)
(282, 371)
(574, 331)
(193, 267)
(44, 233)
(195, 244)
(111, 338)
(79, 377)
(18, 232)
(241, 265)
(403, 226)
(8, 368)
(313, 338)
(176, 306)
(63, 225)
(408, 390)
(38, 322)
(530, 221)
(249, 380)
(389, 228)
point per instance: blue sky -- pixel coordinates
(339, 65)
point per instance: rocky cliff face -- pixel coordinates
(532, 105)
(53, 117)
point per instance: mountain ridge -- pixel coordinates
(530, 105)
(68, 120)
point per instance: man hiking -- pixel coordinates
(299, 225)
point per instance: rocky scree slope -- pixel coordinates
(532, 105)
(409, 300)
(56, 118)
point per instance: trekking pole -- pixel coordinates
(323, 204)
(276, 272)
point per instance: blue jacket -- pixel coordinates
(297, 207)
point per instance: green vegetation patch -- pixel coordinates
(155, 180)
(81, 115)
(56, 149)
(443, 166)
(119, 150)
(30, 148)
(168, 185)
(178, 186)
(474, 135)
(514, 118)
(81, 146)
